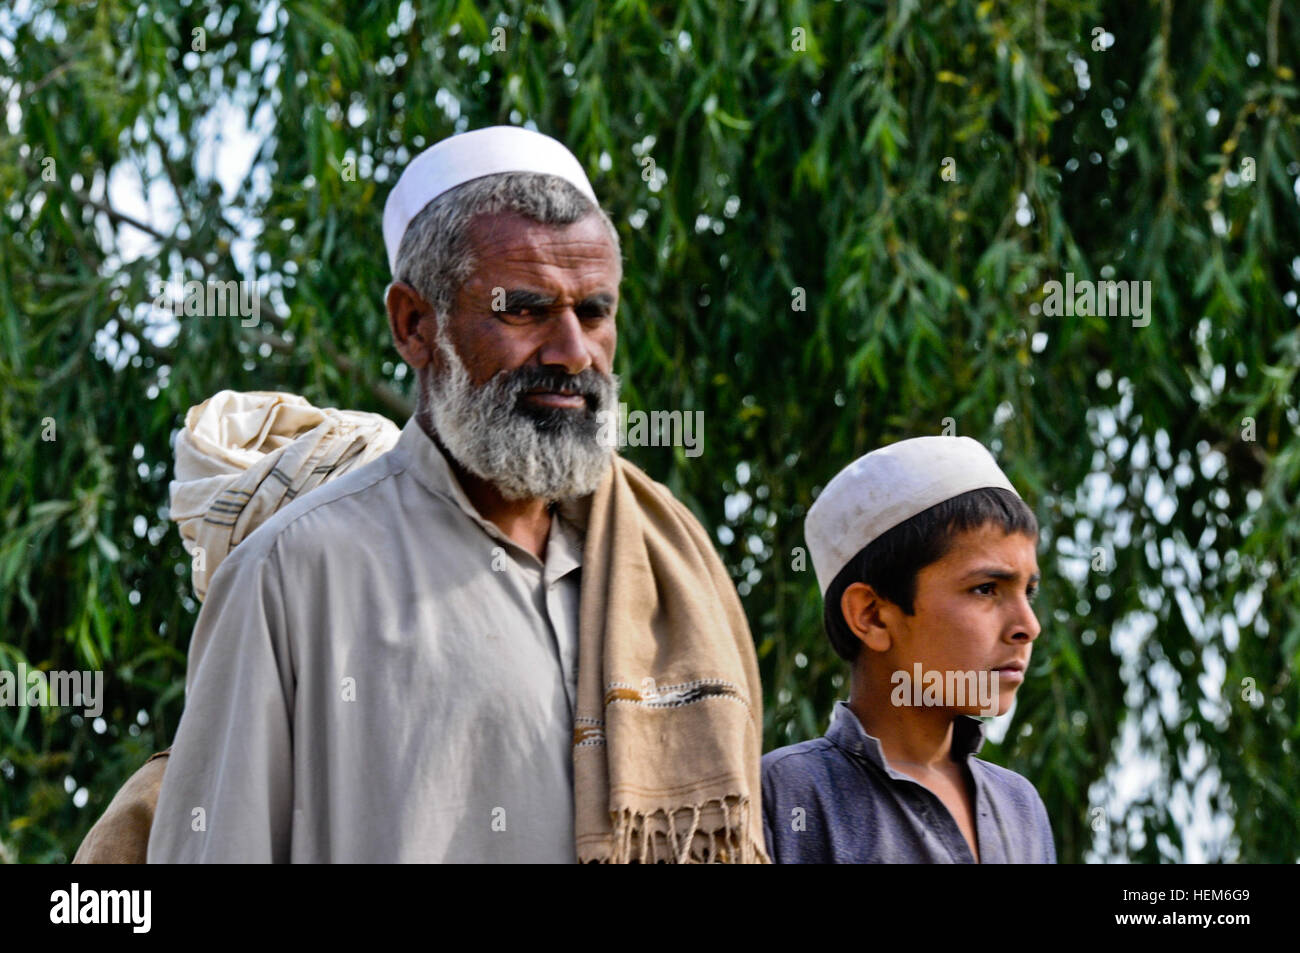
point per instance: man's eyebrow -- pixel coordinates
(1003, 575)
(518, 298)
(603, 300)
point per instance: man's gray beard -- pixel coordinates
(486, 432)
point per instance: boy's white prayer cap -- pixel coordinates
(885, 487)
(471, 155)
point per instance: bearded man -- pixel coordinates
(499, 641)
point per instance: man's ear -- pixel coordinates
(407, 312)
(864, 613)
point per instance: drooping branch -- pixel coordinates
(387, 396)
(121, 217)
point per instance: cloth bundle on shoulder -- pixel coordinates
(241, 456)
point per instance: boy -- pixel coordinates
(924, 553)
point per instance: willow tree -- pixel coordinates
(838, 221)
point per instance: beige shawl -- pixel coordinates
(669, 724)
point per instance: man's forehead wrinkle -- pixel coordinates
(545, 278)
(488, 232)
(561, 283)
(529, 250)
(540, 266)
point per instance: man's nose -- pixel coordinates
(566, 344)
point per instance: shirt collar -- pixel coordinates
(847, 734)
(429, 465)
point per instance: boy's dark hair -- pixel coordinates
(890, 562)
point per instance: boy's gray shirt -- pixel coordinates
(836, 800)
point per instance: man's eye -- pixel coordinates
(1032, 593)
(986, 588)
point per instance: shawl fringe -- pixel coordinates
(675, 836)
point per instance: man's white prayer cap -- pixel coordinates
(471, 155)
(885, 487)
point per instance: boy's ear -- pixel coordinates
(863, 609)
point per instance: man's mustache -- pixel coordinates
(589, 383)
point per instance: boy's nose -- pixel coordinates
(1025, 627)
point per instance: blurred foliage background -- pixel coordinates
(798, 266)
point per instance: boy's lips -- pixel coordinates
(1011, 671)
